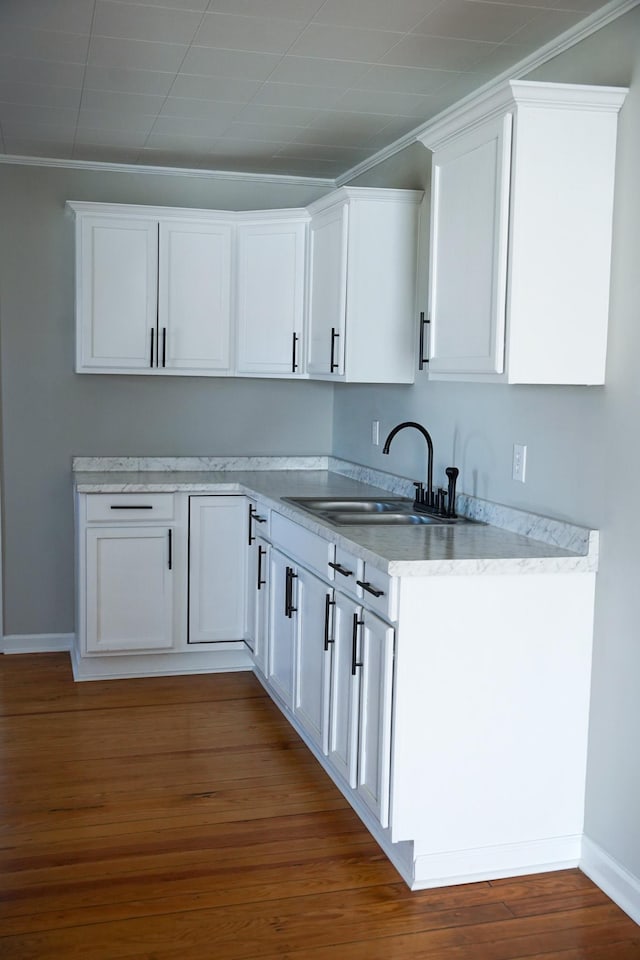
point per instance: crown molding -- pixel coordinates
(590, 25)
(168, 171)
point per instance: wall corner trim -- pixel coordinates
(37, 643)
(614, 879)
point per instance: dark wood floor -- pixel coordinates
(183, 818)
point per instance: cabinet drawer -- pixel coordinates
(121, 507)
(379, 591)
(310, 549)
(346, 570)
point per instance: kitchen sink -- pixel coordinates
(375, 511)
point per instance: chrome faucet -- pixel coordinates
(444, 502)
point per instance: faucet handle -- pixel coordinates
(419, 491)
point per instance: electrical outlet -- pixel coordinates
(375, 433)
(519, 462)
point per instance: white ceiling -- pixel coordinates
(295, 87)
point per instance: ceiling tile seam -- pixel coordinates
(190, 47)
(175, 76)
(84, 73)
(574, 35)
(252, 100)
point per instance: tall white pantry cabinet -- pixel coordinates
(521, 224)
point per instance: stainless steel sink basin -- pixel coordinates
(350, 504)
(385, 511)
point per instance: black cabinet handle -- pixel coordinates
(289, 608)
(354, 645)
(151, 355)
(333, 364)
(328, 603)
(170, 549)
(131, 506)
(251, 535)
(258, 519)
(294, 361)
(164, 346)
(262, 552)
(422, 360)
(340, 569)
(372, 590)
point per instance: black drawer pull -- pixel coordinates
(170, 549)
(262, 552)
(422, 360)
(372, 590)
(333, 363)
(328, 603)
(355, 663)
(341, 569)
(131, 506)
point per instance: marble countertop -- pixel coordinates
(502, 541)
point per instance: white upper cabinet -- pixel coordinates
(153, 290)
(163, 290)
(521, 214)
(362, 285)
(116, 276)
(270, 286)
(194, 296)
(327, 290)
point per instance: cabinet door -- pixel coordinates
(270, 297)
(344, 691)
(117, 271)
(375, 659)
(313, 655)
(282, 626)
(194, 307)
(129, 589)
(469, 233)
(261, 606)
(328, 286)
(217, 568)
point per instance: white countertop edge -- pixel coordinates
(202, 464)
(558, 533)
(581, 562)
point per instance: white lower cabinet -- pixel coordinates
(331, 663)
(312, 656)
(345, 693)
(361, 698)
(260, 621)
(422, 698)
(257, 598)
(374, 651)
(282, 627)
(130, 553)
(129, 585)
(217, 568)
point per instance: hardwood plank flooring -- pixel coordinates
(181, 818)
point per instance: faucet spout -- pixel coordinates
(425, 433)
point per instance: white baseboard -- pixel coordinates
(616, 881)
(131, 666)
(38, 643)
(493, 863)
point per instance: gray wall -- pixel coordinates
(49, 413)
(584, 458)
